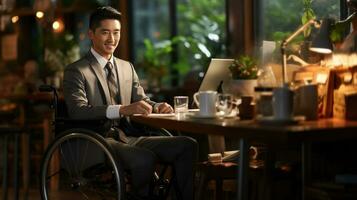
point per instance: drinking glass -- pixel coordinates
(224, 104)
(181, 104)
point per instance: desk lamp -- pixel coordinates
(320, 44)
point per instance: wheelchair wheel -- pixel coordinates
(79, 164)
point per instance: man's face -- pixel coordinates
(106, 37)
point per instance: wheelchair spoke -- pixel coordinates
(79, 167)
(83, 194)
(65, 161)
(84, 156)
(76, 171)
(76, 154)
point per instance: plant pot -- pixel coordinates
(240, 87)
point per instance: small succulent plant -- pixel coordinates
(244, 67)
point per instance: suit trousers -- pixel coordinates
(141, 156)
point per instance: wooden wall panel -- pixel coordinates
(123, 50)
(240, 27)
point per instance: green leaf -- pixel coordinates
(244, 67)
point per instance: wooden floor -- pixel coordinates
(33, 194)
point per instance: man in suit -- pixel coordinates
(101, 86)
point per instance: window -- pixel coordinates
(280, 18)
(283, 16)
(151, 21)
(203, 21)
(182, 43)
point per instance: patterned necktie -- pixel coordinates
(111, 83)
(112, 86)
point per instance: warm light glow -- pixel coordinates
(14, 19)
(341, 60)
(39, 14)
(321, 50)
(58, 26)
(55, 25)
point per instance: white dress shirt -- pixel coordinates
(112, 110)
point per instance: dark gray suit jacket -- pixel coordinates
(86, 92)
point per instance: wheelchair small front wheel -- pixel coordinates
(80, 164)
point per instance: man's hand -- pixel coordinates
(140, 107)
(164, 108)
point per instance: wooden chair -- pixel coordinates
(218, 172)
(11, 126)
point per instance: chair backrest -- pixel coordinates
(63, 124)
(62, 121)
(62, 112)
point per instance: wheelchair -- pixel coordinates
(80, 164)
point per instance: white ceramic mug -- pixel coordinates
(283, 103)
(206, 101)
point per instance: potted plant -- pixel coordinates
(60, 51)
(155, 61)
(244, 72)
(244, 67)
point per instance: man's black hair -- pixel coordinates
(102, 13)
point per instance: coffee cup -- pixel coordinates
(206, 101)
(283, 103)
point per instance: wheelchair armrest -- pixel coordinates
(163, 132)
(99, 126)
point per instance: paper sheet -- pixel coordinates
(158, 115)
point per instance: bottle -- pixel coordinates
(264, 92)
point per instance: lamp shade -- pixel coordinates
(322, 43)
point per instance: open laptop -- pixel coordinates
(217, 73)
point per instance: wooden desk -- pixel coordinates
(251, 131)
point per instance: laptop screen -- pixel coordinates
(217, 73)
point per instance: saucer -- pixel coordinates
(270, 120)
(200, 116)
(161, 115)
(231, 115)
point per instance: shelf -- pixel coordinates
(19, 12)
(77, 6)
